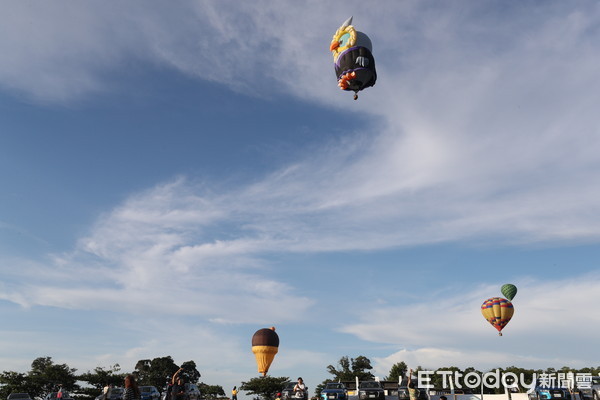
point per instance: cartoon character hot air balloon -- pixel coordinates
(498, 312)
(354, 62)
(265, 344)
(509, 291)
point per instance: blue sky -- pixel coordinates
(177, 177)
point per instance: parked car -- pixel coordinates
(334, 391)
(115, 393)
(192, 392)
(593, 392)
(149, 393)
(544, 392)
(370, 390)
(19, 396)
(54, 396)
(288, 392)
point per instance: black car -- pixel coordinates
(370, 390)
(19, 396)
(334, 391)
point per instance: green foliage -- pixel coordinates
(156, 372)
(190, 373)
(265, 387)
(99, 378)
(351, 368)
(46, 377)
(13, 382)
(159, 371)
(43, 378)
(398, 370)
(211, 391)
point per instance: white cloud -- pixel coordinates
(447, 330)
(485, 128)
(433, 358)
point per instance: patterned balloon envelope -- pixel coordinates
(498, 312)
(509, 291)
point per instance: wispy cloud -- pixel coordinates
(450, 330)
(484, 129)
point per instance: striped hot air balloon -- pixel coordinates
(498, 312)
(265, 344)
(509, 291)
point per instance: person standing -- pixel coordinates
(300, 389)
(413, 392)
(178, 388)
(105, 392)
(132, 391)
(234, 393)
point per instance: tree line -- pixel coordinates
(45, 376)
(348, 369)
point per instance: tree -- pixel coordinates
(211, 391)
(190, 373)
(11, 381)
(156, 372)
(351, 368)
(98, 379)
(439, 380)
(265, 386)
(46, 377)
(43, 378)
(397, 371)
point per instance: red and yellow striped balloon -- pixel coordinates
(498, 312)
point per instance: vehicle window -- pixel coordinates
(370, 385)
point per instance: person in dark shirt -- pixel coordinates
(178, 388)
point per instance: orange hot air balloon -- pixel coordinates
(265, 344)
(498, 312)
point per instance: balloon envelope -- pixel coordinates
(498, 312)
(353, 58)
(265, 344)
(509, 291)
